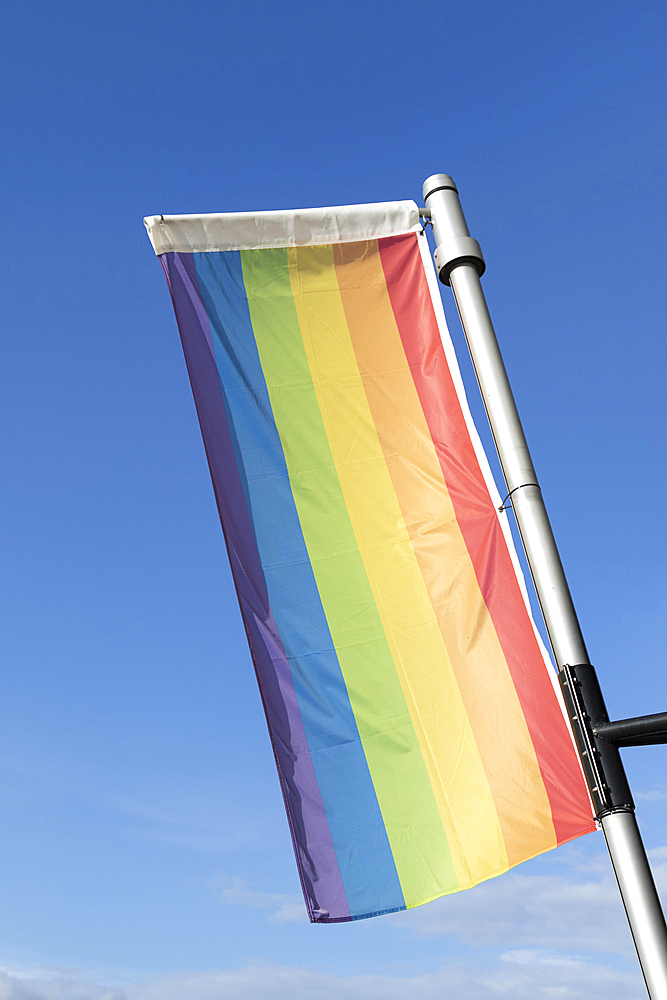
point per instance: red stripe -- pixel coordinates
(483, 536)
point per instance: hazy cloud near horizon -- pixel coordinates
(520, 975)
(544, 936)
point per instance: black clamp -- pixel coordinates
(600, 758)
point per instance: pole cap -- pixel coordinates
(436, 182)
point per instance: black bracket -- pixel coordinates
(598, 740)
(600, 758)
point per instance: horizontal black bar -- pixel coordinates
(645, 730)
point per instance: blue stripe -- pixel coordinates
(357, 828)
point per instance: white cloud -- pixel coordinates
(653, 795)
(517, 975)
(54, 984)
(236, 891)
(578, 910)
(292, 912)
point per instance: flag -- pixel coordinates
(420, 739)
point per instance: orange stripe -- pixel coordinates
(479, 665)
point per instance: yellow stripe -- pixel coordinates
(459, 782)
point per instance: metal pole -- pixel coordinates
(460, 263)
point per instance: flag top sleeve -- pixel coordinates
(419, 734)
(302, 227)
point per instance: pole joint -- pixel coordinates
(458, 250)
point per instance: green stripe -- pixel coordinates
(395, 761)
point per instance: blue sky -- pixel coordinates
(143, 849)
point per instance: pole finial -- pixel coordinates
(438, 182)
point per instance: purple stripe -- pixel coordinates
(313, 846)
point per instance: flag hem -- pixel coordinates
(452, 892)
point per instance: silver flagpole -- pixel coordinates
(460, 263)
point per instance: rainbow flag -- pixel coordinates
(420, 738)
